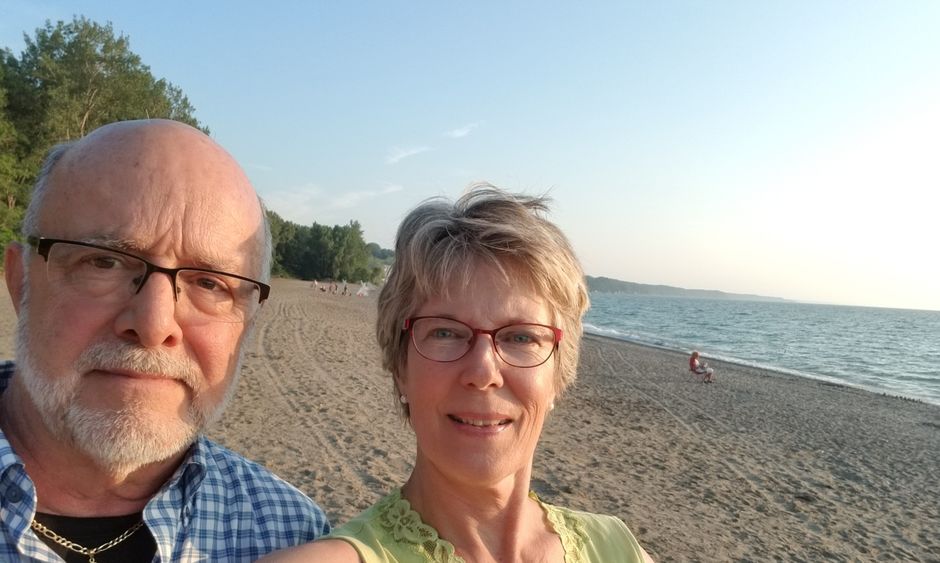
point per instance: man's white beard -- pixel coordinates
(127, 439)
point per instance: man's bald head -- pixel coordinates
(171, 159)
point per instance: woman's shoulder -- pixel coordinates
(597, 537)
(598, 527)
(321, 550)
(391, 531)
(362, 539)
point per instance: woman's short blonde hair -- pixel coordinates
(440, 243)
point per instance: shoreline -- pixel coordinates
(776, 371)
(758, 466)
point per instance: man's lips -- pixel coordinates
(131, 374)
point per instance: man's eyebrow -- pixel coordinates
(126, 245)
(204, 260)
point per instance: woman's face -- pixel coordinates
(478, 419)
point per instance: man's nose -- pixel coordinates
(149, 318)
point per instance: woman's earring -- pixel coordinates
(403, 399)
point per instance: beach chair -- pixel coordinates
(706, 375)
(700, 377)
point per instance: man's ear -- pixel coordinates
(13, 273)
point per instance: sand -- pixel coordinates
(759, 466)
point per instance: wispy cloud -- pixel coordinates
(461, 131)
(353, 199)
(396, 154)
(310, 202)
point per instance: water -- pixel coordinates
(893, 351)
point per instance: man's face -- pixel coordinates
(131, 382)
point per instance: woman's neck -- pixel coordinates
(484, 521)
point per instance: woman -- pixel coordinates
(701, 368)
(479, 325)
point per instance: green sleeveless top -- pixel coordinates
(391, 532)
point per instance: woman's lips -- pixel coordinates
(483, 422)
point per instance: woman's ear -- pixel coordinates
(402, 396)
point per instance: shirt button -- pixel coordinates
(14, 494)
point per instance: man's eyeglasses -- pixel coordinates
(522, 345)
(114, 276)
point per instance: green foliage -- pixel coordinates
(11, 192)
(321, 252)
(379, 261)
(381, 255)
(71, 78)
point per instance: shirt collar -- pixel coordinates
(189, 475)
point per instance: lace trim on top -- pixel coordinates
(568, 528)
(404, 525)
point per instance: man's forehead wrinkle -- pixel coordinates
(186, 201)
(197, 255)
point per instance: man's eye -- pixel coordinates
(210, 284)
(103, 262)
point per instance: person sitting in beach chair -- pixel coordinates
(701, 368)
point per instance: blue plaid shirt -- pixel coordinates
(218, 506)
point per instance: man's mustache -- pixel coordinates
(118, 356)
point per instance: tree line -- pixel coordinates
(73, 77)
(319, 252)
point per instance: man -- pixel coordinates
(135, 289)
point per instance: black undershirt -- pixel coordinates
(92, 532)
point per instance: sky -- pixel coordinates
(786, 149)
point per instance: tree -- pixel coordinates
(381, 255)
(351, 260)
(321, 252)
(11, 192)
(71, 78)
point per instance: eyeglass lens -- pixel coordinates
(447, 340)
(114, 277)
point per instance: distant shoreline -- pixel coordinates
(656, 290)
(610, 285)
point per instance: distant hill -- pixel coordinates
(609, 285)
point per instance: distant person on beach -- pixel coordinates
(143, 263)
(363, 290)
(700, 368)
(480, 326)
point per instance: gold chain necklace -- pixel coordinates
(90, 552)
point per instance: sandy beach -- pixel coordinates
(760, 466)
